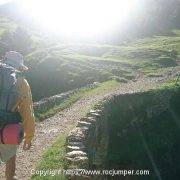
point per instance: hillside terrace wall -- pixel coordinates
(87, 143)
(47, 103)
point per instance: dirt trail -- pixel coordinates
(49, 129)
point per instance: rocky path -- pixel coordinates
(49, 129)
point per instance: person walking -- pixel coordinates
(16, 108)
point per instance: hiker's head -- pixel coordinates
(15, 60)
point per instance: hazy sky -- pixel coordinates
(4, 1)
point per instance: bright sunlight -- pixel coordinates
(82, 17)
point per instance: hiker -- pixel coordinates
(16, 110)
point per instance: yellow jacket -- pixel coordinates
(24, 106)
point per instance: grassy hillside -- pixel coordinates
(162, 136)
(56, 67)
(67, 66)
(146, 141)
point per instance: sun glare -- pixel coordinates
(83, 17)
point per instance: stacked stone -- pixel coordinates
(51, 101)
(87, 143)
(47, 103)
(79, 138)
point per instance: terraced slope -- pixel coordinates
(67, 66)
(61, 67)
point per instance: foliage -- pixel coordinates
(69, 66)
(53, 159)
(135, 131)
(54, 156)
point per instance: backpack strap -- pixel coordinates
(1, 132)
(8, 96)
(1, 80)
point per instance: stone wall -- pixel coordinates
(47, 103)
(51, 101)
(87, 143)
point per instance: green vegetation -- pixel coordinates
(61, 67)
(143, 128)
(56, 67)
(173, 84)
(102, 88)
(54, 156)
(99, 89)
(53, 159)
(65, 103)
(67, 66)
